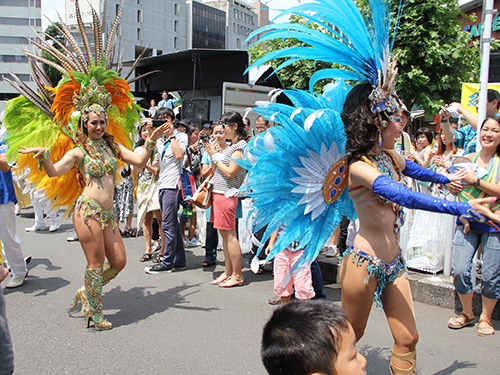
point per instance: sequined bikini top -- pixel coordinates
(96, 168)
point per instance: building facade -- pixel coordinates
(240, 21)
(205, 27)
(17, 18)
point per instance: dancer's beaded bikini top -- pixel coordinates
(385, 162)
(97, 167)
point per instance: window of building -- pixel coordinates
(139, 34)
(32, 22)
(176, 9)
(32, 3)
(117, 9)
(238, 43)
(176, 43)
(139, 16)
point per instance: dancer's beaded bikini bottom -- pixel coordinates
(92, 209)
(384, 272)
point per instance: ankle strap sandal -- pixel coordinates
(410, 357)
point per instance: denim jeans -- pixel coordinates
(464, 250)
(174, 253)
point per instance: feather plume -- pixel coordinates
(72, 42)
(96, 25)
(134, 65)
(112, 31)
(83, 33)
(143, 76)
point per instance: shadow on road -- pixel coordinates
(39, 286)
(139, 303)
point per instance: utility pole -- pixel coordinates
(485, 45)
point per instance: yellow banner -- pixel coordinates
(470, 94)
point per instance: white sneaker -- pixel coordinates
(53, 227)
(16, 281)
(331, 251)
(72, 238)
(36, 228)
(191, 243)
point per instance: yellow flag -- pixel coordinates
(470, 95)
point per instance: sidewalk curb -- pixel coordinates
(433, 290)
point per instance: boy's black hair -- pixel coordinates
(303, 337)
(167, 112)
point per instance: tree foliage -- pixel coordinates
(54, 74)
(434, 55)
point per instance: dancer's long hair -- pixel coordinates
(82, 136)
(359, 120)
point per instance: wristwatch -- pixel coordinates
(478, 181)
(171, 137)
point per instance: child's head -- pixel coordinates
(310, 337)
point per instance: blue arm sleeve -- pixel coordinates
(418, 172)
(400, 194)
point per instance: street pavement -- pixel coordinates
(178, 323)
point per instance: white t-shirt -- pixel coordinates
(170, 167)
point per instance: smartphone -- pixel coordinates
(158, 123)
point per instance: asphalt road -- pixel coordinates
(178, 323)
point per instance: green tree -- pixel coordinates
(54, 74)
(433, 54)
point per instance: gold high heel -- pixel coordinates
(93, 290)
(108, 274)
(80, 297)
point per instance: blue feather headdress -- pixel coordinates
(297, 171)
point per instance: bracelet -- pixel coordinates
(150, 145)
(42, 158)
(172, 137)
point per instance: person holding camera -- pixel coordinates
(171, 148)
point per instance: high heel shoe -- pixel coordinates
(98, 326)
(80, 297)
(93, 290)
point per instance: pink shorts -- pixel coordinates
(283, 263)
(223, 213)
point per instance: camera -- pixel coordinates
(158, 123)
(204, 138)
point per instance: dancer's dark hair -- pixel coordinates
(359, 120)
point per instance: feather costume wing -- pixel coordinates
(297, 171)
(300, 192)
(46, 118)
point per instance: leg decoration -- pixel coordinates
(410, 357)
(108, 273)
(93, 289)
